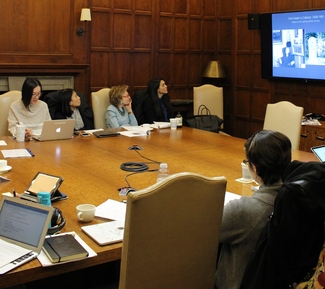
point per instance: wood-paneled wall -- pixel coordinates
(133, 41)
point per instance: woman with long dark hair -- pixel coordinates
(28, 110)
(156, 106)
(67, 107)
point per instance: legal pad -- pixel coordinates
(23, 227)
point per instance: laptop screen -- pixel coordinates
(319, 152)
(22, 223)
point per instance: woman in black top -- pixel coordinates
(156, 106)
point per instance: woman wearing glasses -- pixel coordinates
(268, 154)
(28, 110)
(67, 107)
(119, 113)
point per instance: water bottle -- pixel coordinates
(163, 172)
(179, 119)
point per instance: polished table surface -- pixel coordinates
(91, 171)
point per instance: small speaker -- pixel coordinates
(253, 22)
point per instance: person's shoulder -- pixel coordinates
(16, 103)
(112, 107)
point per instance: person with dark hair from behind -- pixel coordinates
(268, 154)
(67, 104)
(156, 106)
(119, 113)
(29, 109)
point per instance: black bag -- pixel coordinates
(206, 121)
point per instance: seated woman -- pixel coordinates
(67, 103)
(119, 113)
(29, 109)
(156, 105)
(268, 154)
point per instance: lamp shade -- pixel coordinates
(214, 69)
(85, 14)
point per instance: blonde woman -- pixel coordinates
(119, 113)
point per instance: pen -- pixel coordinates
(14, 192)
(27, 149)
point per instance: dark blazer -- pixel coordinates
(85, 110)
(149, 110)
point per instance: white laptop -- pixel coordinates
(319, 152)
(56, 129)
(23, 227)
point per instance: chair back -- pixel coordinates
(211, 96)
(100, 103)
(172, 233)
(5, 100)
(285, 117)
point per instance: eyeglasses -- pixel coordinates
(126, 95)
(246, 162)
(39, 94)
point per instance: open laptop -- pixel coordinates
(56, 129)
(319, 152)
(23, 227)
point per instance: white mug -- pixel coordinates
(146, 126)
(3, 165)
(86, 212)
(245, 171)
(173, 123)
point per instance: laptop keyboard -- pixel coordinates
(28, 197)
(23, 258)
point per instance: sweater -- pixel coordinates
(36, 114)
(114, 119)
(242, 223)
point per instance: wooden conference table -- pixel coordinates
(91, 171)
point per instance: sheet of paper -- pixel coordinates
(134, 133)
(16, 153)
(3, 143)
(45, 261)
(160, 125)
(92, 130)
(112, 210)
(230, 196)
(10, 252)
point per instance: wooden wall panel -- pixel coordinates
(226, 7)
(166, 6)
(244, 63)
(243, 100)
(123, 4)
(195, 34)
(195, 7)
(245, 7)
(209, 39)
(141, 68)
(143, 31)
(225, 34)
(122, 40)
(181, 33)
(181, 7)
(101, 4)
(165, 68)
(100, 64)
(24, 31)
(122, 68)
(260, 100)
(143, 5)
(100, 36)
(209, 8)
(165, 32)
(258, 81)
(195, 71)
(180, 69)
(245, 37)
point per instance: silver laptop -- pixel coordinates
(56, 129)
(23, 227)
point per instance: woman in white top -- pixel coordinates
(29, 109)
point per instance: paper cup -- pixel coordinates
(246, 173)
(173, 123)
(3, 165)
(20, 133)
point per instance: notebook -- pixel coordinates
(319, 152)
(105, 233)
(105, 133)
(56, 129)
(23, 227)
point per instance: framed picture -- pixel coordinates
(277, 36)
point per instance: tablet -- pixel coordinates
(319, 152)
